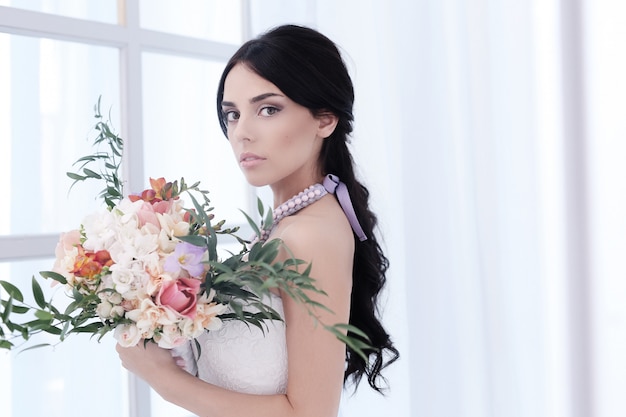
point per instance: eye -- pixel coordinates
(269, 111)
(230, 116)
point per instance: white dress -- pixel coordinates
(242, 357)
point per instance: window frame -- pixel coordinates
(132, 41)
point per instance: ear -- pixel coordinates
(327, 124)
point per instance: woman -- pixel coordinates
(285, 103)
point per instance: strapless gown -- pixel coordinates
(242, 358)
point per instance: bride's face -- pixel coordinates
(273, 138)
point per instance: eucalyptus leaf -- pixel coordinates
(89, 328)
(38, 293)
(8, 308)
(44, 315)
(194, 240)
(53, 330)
(269, 220)
(65, 331)
(76, 177)
(260, 207)
(252, 223)
(352, 329)
(38, 324)
(40, 345)
(53, 275)
(12, 290)
(14, 308)
(91, 174)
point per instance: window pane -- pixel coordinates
(182, 133)
(45, 121)
(100, 10)
(216, 20)
(63, 381)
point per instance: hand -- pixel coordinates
(147, 362)
(180, 362)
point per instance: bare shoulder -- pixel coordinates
(319, 232)
(321, 235)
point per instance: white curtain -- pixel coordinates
(499, 188)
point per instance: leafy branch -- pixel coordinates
(111, 158)
(76, 318)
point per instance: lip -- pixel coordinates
(249, 160)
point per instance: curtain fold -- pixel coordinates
(459, 133)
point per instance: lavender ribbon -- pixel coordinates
(333, 185)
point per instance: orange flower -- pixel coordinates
(158, 184)
(103, 257)
(149, 196)
(89, 264)
(161, 190)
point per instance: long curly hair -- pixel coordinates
(309, 69)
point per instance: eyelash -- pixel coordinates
(274, 110)
(227, 113)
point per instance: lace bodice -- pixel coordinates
(241, 357)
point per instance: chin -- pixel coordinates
(256, 180)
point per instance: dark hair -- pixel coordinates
(308, 68)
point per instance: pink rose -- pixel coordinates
(180, 295)
(67, 242)
(146, 214)
(162, 207)
(65, 253)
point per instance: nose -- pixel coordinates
(241, 131)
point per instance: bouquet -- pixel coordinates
(147, 268)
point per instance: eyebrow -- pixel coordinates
(254, 99)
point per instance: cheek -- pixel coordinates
(289, 139)
(300, 134)
(296, 146)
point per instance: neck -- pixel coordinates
(287, 188)
(297, 202)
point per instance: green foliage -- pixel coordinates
(47, 318)
(90, 166)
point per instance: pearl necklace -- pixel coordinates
(296, 203)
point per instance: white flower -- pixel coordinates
(128, 212)
(99, 230)
(173, 225)
(149, 316)
(127, 335)
(117, 311)
(155, 281)
(170, 337)
(205, 318)
(114, 298)
(167, 243)
(104, 309)
(123, 278)
(211, 321)
(134, 249)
